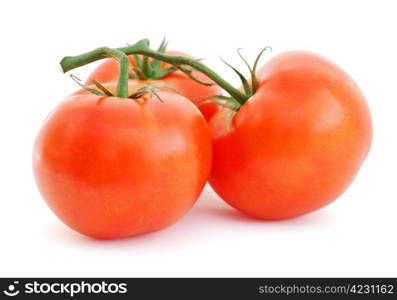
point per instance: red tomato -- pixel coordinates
(109, 71)
(296, 144)
(114, 167)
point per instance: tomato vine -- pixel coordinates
(186, 65)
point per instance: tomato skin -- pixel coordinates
(108, 71)
(112, 167)
(297, 144)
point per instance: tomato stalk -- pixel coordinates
(105, 52)
(142, 47)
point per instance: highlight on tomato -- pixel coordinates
(290, 140)
(188, 82)
(113, 164)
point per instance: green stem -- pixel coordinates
(142, 47)
(145, 66)
(105, 52)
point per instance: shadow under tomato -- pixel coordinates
(232, 215)
(205, 223)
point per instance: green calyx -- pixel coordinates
(250, 86)
(139, 93)
(150, 69)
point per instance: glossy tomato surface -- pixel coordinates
(297, 144)
(113, 167)
(108, 71)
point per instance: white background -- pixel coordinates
(354, 236)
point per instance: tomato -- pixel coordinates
(109, 70)
(296, 144)
(114, 167)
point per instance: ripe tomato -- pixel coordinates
(109, 70)
(296, 144)
(115, 167)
